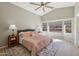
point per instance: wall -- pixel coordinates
(23, 19)
(59, 14)
(76, 24)
(11, 14)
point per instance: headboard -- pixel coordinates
(25, 30)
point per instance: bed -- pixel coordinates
(33, 41)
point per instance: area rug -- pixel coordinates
(50, 50)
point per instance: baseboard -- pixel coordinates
(4, 46)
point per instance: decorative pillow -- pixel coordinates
(21, 35)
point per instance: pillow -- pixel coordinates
(27, 34)
(35, 33)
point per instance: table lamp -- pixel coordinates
(12, 28)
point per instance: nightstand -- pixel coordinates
(12, 40)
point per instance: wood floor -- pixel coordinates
(66, 49)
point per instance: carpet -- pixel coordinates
(50, 50)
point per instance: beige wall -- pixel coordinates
(60, 13)
(11, 14)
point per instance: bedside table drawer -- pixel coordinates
(12, 41)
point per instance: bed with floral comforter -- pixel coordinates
(33, 41)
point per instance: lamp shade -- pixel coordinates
(12, 27)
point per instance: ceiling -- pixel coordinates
(31, 8)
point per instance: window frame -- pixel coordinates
(43, 26)
(55, 29)
(71, 26)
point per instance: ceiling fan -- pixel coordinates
(42, 5)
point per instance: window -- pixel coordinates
(55, 26)
(68, 26)
(58, 26)
(44, 26)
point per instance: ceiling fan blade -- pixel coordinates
(35, 4)
(49, 7)
(38, 8)
(43, 9)
(47, 3)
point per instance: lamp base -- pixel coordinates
(13, 34)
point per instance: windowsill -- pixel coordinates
(68, 33)
(58, 32)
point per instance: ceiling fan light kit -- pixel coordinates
(42, 5)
